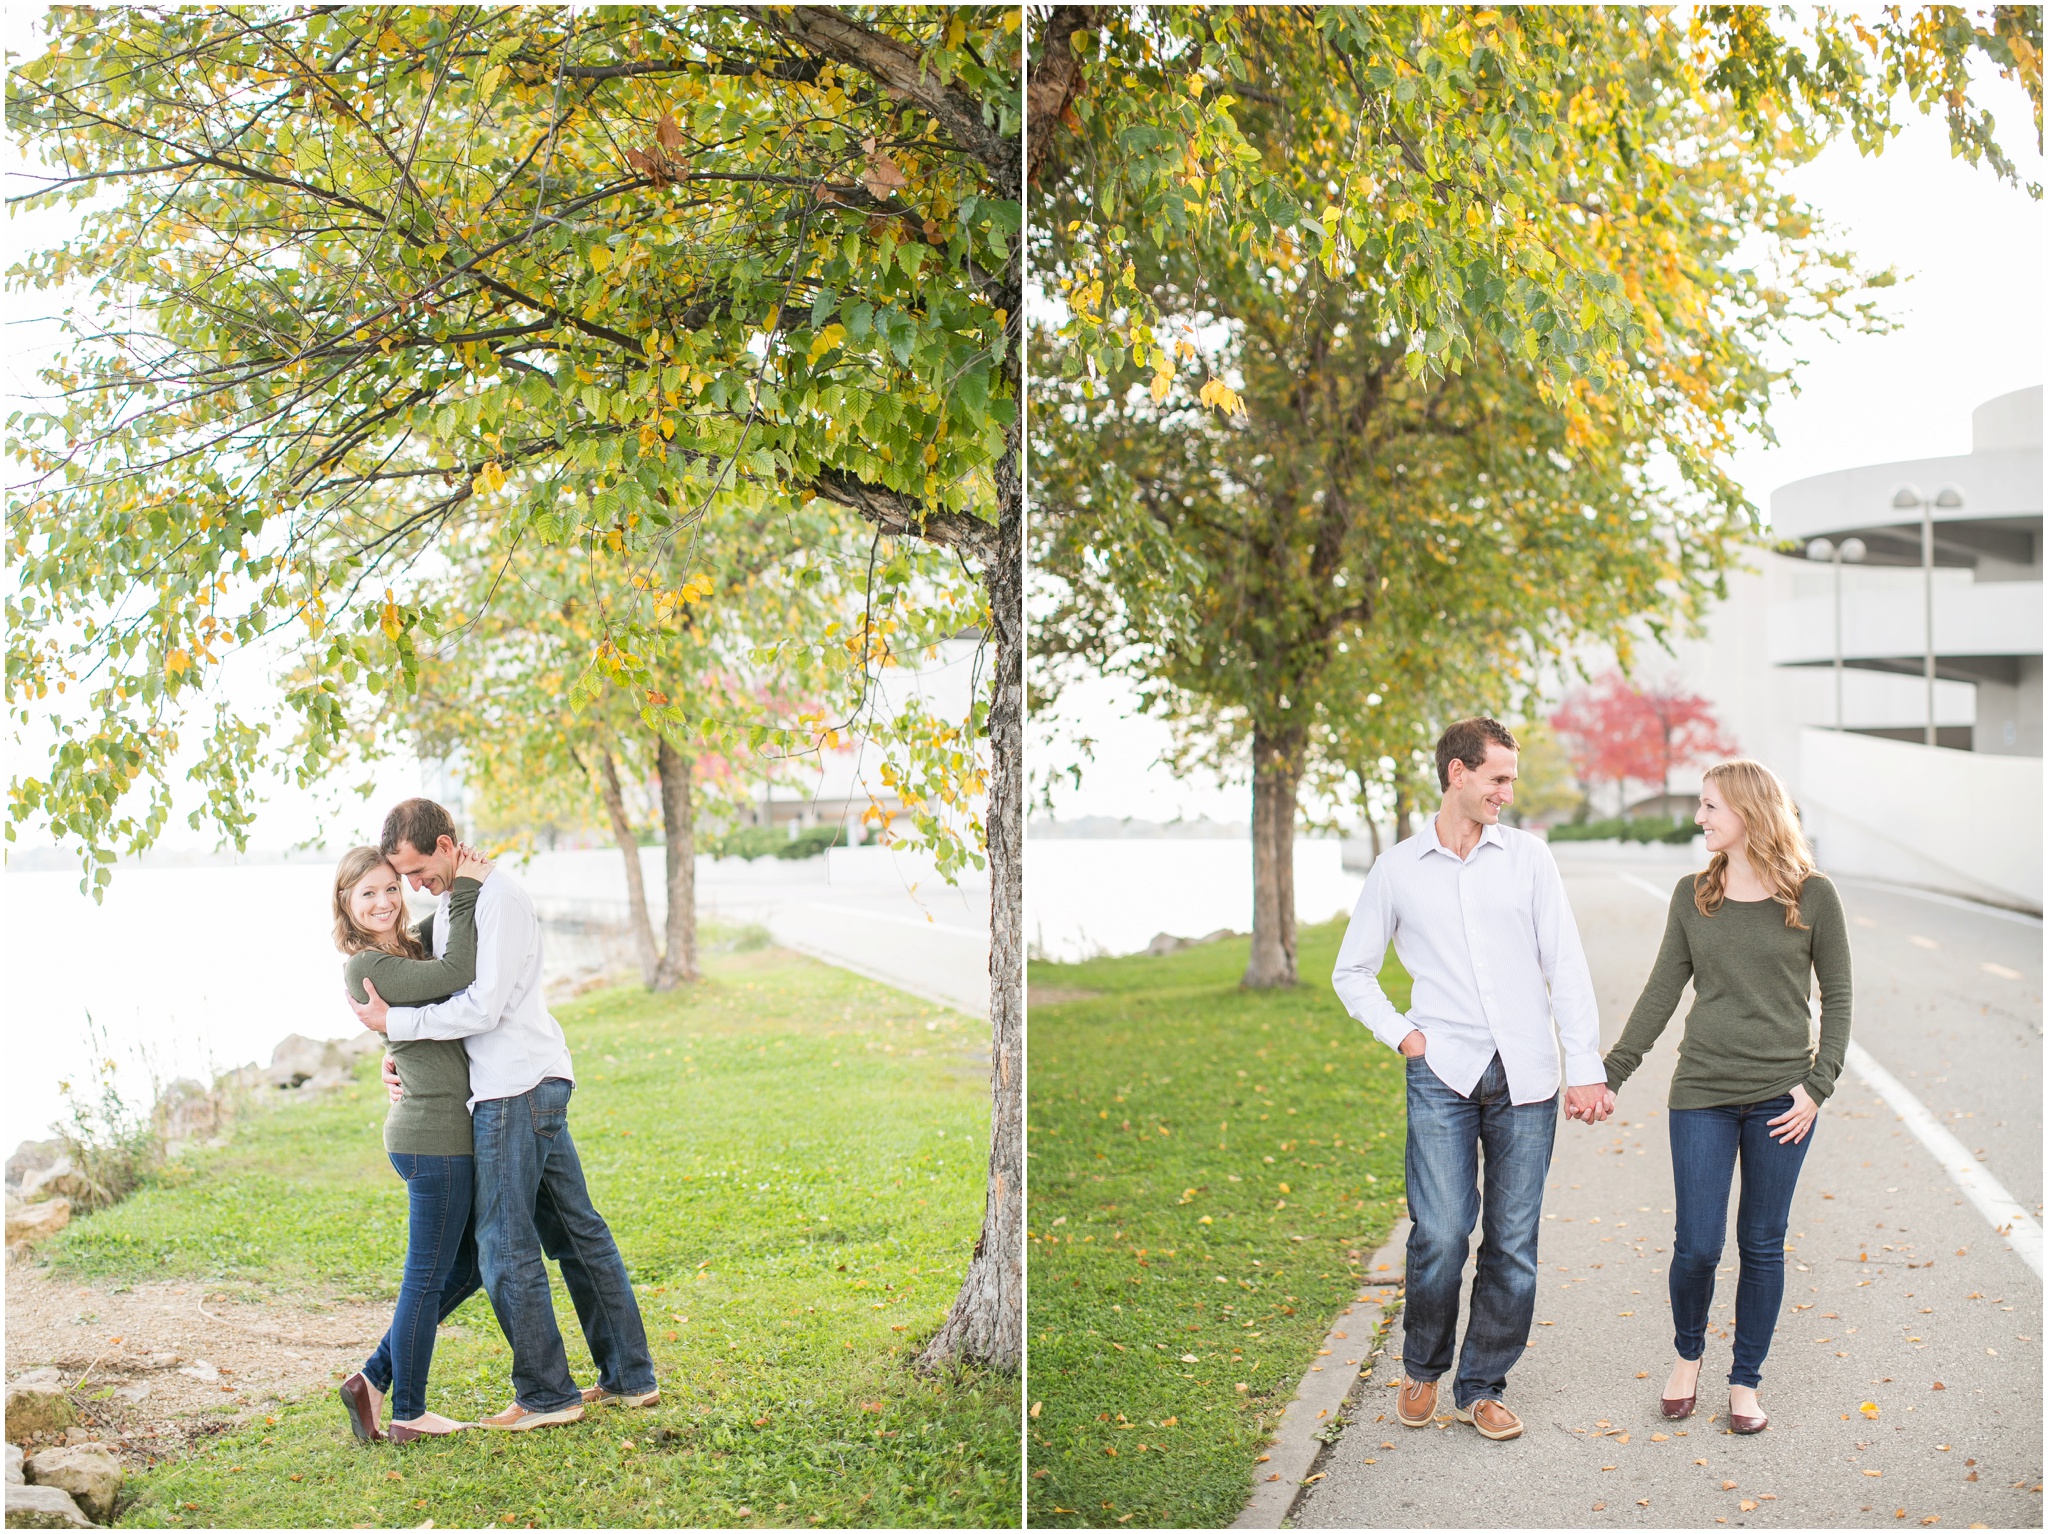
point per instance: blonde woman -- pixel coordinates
(426, 1133)
(1751, 933)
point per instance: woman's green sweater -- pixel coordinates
(1749, 1036)
(432, 1118)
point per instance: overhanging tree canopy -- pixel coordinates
(1400, 234)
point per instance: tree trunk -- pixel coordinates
(986, 1324)
(679, 946)
(1276, 770)
(636, 887)
(1404, 805)
(1372, 826)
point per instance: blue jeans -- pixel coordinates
(440, 1273)
(1445, 1135)
(1705, 1145)
(531, 1200)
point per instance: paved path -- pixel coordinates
(1896, 1285)
(932, 942)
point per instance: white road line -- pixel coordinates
(1646, 887)
(2005, 1213)
(2007, 1216)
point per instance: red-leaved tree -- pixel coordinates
(1619, 732)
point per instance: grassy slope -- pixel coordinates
(1210, 1171)
(792, 1159)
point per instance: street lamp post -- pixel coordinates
(1849, 551)
(1948, 498)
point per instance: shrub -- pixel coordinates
(812, 843)
(1676, 829)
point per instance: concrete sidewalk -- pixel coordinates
(1898, 1295)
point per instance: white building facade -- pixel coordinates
(1850, 735)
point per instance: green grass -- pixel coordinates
(792, 1159)
(1211, 1169)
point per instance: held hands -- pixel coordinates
(1795, 1120)
(471, 864)
(1591, 1103)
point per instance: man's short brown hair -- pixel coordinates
(1466, 741)
(420, 823)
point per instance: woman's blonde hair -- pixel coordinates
(1777, 848)
(349, 935)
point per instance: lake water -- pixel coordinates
(186, 970)
(1083, 898)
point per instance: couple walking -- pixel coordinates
(1477, 914)
(480, 1081)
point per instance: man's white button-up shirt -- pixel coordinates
(1490, 943)
(513, 1041)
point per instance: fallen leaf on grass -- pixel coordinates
(1036, 1408)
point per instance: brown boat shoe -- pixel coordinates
(517, 1419)
(1492, 1419)
(597, 1395)
(1415, 1406)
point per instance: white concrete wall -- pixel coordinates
(1959, 821)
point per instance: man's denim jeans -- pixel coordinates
(531, 1200)
(440, 1273)
(1445, 1135)
(1705, 1145)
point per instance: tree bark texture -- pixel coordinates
(629, 847)
(1276, 772)
(678, 824)
(986, 1324)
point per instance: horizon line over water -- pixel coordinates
(186, 971)
(1092, 898)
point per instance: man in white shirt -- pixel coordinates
(530, 1194)
(1477, 914)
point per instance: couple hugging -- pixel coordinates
(480, 1081)
(1477, 913)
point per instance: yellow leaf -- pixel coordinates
(1161, 382)
(600, 257)
(1868, 1408)
(393, 623)
(176, 662)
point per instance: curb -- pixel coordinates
(1324, 1387)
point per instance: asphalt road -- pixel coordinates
(1904, 1385)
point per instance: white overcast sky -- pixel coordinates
(1970, 328)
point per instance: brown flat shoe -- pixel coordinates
(1680, 1409)
(400, 1433)
(1738, 1424)
(362, 1416)
(1492, 1419)
(1415, 1406)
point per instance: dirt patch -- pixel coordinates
(1055, 995)
(155, 1368)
